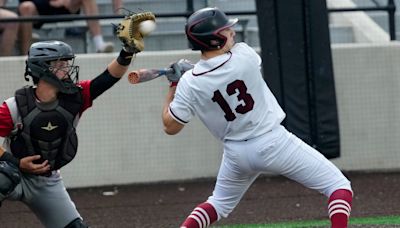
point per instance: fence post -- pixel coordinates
(391, 11)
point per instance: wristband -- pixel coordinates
(10, 158)
(125, 58)
(173, 84)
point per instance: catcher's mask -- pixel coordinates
(53, 62)
(204, 26)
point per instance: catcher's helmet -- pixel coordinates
(38, 65)
(203, 27)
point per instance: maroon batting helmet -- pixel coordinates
(203, 29)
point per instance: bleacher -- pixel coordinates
(381, 18)
(169, 34)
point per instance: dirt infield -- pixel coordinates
(164, 205)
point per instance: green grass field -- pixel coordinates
(386, 220)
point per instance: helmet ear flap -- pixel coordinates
(26, 74)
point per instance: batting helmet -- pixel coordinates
(38, 65)
(203, 29)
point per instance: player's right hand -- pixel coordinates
(180, 67)
(27, 165)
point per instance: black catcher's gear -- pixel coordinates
(38, 65)
(203, 29)
(48, 129)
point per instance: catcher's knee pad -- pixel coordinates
(9, 178)
(77, 223)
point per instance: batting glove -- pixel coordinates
(179, 68)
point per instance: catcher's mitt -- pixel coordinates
(127, 31)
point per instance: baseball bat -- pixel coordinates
(144, 75)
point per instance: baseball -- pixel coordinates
(146, 27)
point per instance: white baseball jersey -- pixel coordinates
(229, 95)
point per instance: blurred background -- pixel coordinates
(368, 23)
(121, 139)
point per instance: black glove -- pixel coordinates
(179, 68)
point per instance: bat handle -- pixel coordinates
(166, 71)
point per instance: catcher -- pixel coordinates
(39, 123)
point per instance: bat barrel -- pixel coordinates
(134, 77)
(144, 75)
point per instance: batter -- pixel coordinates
(226, 90)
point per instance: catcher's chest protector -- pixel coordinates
(47, 129)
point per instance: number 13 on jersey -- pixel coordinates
(241, 96)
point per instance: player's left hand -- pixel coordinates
(179, 67)
(128, 31)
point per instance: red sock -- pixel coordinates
(201, 217)
(339, 208)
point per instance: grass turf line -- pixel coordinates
(384, 220)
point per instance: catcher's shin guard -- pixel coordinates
(339, 207)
